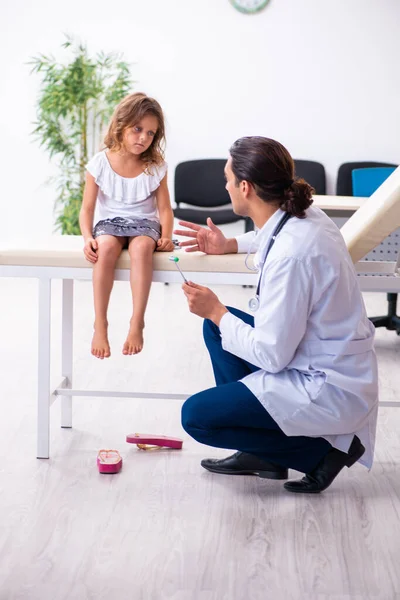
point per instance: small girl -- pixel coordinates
(126, 185)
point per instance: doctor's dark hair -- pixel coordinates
(269, 168)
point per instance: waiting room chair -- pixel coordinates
(200, 184)
(313, 172)
(365, 180)
(364, 183)
(344, 183)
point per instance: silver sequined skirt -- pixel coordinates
(121, 227)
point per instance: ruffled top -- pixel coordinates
(128, 197)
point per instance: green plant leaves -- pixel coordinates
(75, 103)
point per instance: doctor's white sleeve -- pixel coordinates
(281, 320)
(245, 241)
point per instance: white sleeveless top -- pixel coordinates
(127, 197)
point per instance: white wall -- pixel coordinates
(321, 76)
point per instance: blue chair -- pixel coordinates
(365, 182)
(344, 186)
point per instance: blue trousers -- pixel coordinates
(230, 416)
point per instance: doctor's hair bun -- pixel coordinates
(297, 197)
(269, 168)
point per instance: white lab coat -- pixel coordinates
(312, 339)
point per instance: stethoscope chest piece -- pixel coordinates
(254, 303)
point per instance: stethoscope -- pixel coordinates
(254, 303)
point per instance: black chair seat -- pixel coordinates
(219, 217)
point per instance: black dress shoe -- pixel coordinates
(326, 471)
(241, 463)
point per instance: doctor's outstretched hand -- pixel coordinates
(203, 302)
(210, 241)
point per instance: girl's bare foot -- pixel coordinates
(100, 345)
(134, 340)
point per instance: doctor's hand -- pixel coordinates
(210, 241)
(203, 302)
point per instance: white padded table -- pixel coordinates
(61, 257)
(336, 204)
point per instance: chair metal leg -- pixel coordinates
(379, 321)
(391, 321)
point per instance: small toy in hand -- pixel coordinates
(175, 259)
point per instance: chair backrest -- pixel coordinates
(366, 181)
(377, 218)
(201, 183)
(344, 183)
(313, 172)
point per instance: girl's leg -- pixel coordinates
(109, 249)
(141, 251)
(226, 366)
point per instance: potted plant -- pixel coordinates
(75, 102)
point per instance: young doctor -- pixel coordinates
(297, 384)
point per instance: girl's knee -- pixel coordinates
(141, 245)
(109, 248)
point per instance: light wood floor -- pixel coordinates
(163, 528)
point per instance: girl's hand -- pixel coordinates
(165, 245)
(203, 302)
(90, 249)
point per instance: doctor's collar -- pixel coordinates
(269, 226)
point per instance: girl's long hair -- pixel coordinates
(128, 113)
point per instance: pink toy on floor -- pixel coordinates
(143, 439)
(109, 461)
